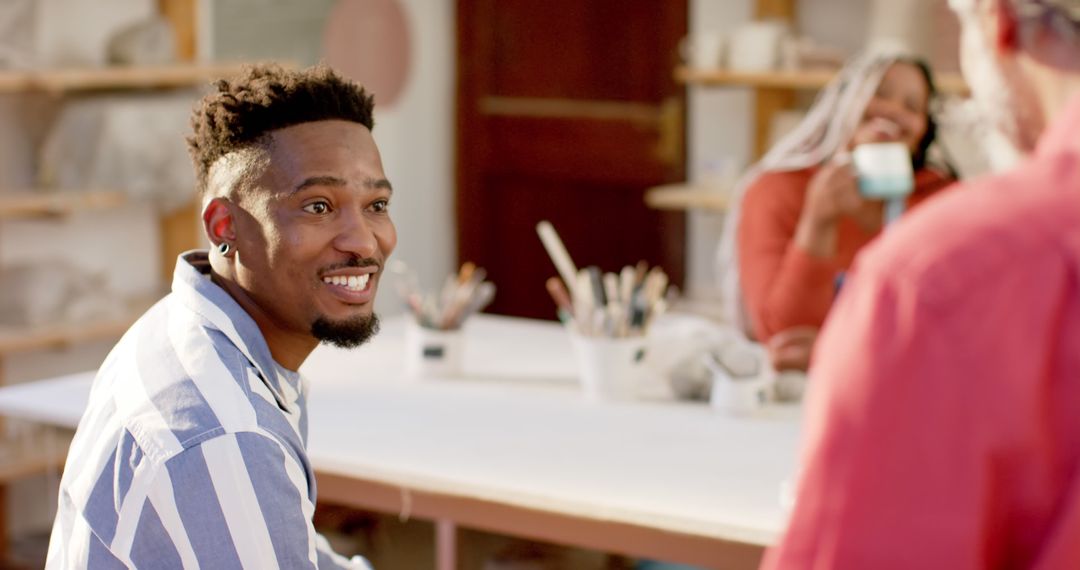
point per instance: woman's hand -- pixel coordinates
(791, 349)
(833, 193)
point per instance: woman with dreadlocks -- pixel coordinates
(799, 219)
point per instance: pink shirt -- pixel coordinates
(943, 426)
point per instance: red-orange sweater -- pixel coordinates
(784, 286)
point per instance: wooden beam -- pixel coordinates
(775, 9)
(544, 526)
(61, 81)
(181, 14)
(35, 204)
(180, 230)
(809, 80)
(14, 340)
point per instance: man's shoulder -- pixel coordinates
(175, 382)
(979, 228)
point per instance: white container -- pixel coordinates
(610, 369)
(703, 50)
(743, 380)
(432, 352)
(884, 170)
(790, 385)
(756, 46)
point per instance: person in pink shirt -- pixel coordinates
(943, 420)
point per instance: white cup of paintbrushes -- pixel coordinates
(611, 369)
(433, 353)
(434, 336)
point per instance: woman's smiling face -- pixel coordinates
(898, 111)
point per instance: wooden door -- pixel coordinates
(567, 111)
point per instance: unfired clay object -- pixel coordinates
(149, 42)
(51, 292)
(132, 143)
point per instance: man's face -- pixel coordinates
(997, 87)
(314, 233)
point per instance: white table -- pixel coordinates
(512, 447)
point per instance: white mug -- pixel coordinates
(756, 46)
(884, 170)
(703, 50)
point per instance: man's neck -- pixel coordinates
(288, 349)
(1056, 91)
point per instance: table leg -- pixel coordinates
(446, 547)
(4, 530)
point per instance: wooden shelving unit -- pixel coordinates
(115, 78)
(179, 230)
(38, 204)
(41, 204)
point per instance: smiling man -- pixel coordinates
(192, 452)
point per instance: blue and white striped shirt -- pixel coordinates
(192, 450)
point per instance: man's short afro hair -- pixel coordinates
(243, 110)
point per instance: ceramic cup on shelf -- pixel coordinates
(755, 47)
(703, 50)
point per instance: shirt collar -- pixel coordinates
(192, 285)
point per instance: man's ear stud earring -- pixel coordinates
(224, 248)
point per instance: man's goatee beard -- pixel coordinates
(349, 333)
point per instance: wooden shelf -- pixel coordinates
(33, 204)
(21, 339)
(110, 78)
(686, 197)
(949, 83)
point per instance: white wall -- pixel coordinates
(837, 23)
(416, 139)
(719, 127)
